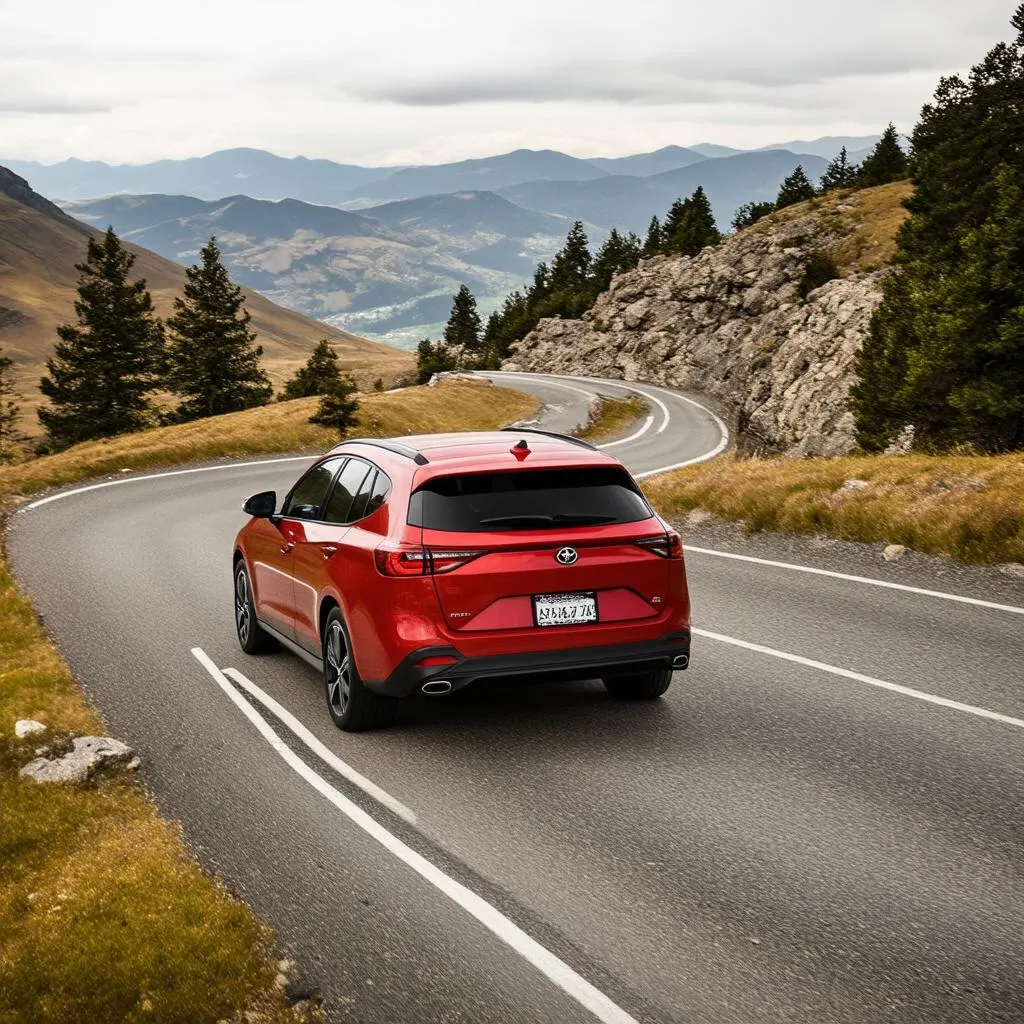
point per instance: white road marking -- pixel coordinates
(556, 970)
(870, 581)
(325, 754)
(158, 476)
(648, 423)
(906, 691)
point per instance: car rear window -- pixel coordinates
(525, 500)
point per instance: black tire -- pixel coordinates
(643, 686)
(251, 638)
(351, 705)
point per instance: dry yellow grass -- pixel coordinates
(103, 916)
(612, 416)
(279, 427)
(967, 507)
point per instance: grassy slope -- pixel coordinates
(38, 253)
(103, 916)
(610, 417)
(967, 507)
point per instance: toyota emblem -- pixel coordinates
(567, 556)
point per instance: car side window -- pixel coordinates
(378, 493)
(308, 495)
(350, 479)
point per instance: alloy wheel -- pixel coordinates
(243, 618)
(336, 669)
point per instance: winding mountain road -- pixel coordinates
(822, 821)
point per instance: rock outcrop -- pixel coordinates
(87, 756)
(731, 324)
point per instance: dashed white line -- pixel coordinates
(906, 691)
(556, 970)
(325, 754)
(868, 580)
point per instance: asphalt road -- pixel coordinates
(822, 821)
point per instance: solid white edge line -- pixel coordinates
(157, 476)
(289, 721)
(648, 423)
(868, 580)
(906, 691)
(556, 970)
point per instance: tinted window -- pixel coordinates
(358, 509)
(349, 480)
(378, 493)
(308, 494)
(530, 500)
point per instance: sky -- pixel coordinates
(429, 81)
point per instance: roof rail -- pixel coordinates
(551, 433)
(392, 446)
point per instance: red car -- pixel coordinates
(420, 564)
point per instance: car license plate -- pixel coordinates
(564, 609)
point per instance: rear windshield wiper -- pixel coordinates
(577, 518)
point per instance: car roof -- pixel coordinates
(485, 449)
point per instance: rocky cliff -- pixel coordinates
(732, 323)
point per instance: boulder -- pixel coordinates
(88, 755)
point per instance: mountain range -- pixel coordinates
(381, 250)
(39, 247)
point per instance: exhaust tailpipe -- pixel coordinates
(681, 661)
(436, 688)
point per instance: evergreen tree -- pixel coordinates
(105, 365)
(886, 162)
(570, 268)
(839, 173)
(696, 228)
(338, 406)
(463, 327)
(672, 224)
(619, 253)
(318, 376)
(652, 243)
(946, 347)
(433, 358)
(213, 361)
(9, 411)
(750, 213)
(795, 189)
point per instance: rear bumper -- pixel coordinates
(669, 651)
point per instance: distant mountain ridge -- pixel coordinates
(39, 247)
(263, 175)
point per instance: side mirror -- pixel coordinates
(261, 505)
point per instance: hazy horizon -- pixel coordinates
(404, 83)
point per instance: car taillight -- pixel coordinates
(400, 561)
(446, 561)
(414, 561)
(668, 546)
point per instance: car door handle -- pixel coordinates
(287, 548)
(328, 550)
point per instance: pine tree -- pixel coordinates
(464, 326)
(318, 376)
(570, 267)
(946, 347)
(839, 173)
(671, 225)
(619, 253)
(886, 162)
(338, 408)
(9, 411)
(795, 189)
(696, 228)
(213, 361)
(432, 358)
(105, 365)
(652, 243)
(750, 213)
